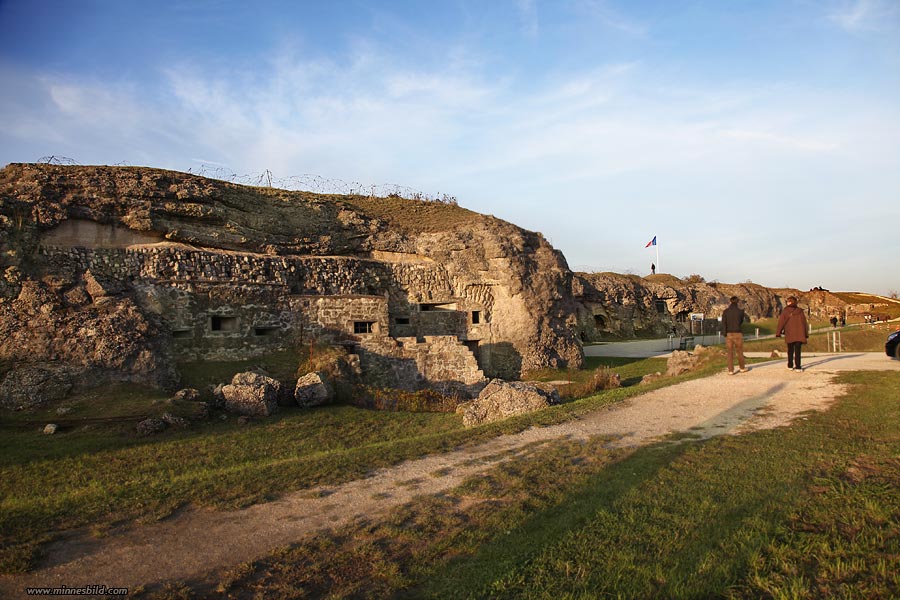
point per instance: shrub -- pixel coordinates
(601, 379)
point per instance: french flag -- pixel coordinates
(651, 242)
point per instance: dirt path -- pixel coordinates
(195, 542)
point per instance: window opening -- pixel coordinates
(360, 327)
(220, 323)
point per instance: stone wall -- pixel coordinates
(231, 306)
(437, 362)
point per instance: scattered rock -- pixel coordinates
(502, 399)
(252, 394)
(151, 426)
(311, 390)
(775, 354)
(187, 395)
(50, 428)
(63, 410)
(650, 377)
(174, 421)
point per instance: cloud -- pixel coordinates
(528, 15)
(601, 11)
(866, 15)
(779, 140)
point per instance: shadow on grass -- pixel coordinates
(469, 577)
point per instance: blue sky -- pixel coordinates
(758, 140)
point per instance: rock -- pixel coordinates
(187, 395)
(311, 390)
(203, 410)
(151, 426)
(50, 428)
(502, 399)
(252, 394)
(650, 377)
(775, 354)
(682, 361)
(35, 385)
(217, 395)
(174, 421)
(63, 410)
(99, 288)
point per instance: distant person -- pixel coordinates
(792, 323)
(653, 268)
(732, 318)
(843, 320)
(834, 322)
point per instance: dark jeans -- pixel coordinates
(794, 355)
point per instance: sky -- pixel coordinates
(756, 140)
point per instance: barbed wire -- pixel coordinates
(57, 160)
(298, 183)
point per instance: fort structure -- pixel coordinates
(426, 294)
(121, 273)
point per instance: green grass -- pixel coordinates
(100, 473)
(765, 326)
(805, 511)
(866, 338)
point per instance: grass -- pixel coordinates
(865, 338)
(99, 474)
(806, 511)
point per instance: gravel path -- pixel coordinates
(195, 542)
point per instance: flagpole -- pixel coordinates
(658, 268)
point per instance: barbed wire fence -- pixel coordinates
(298, 183)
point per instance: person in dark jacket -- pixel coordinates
(732, 318)
(792, 324)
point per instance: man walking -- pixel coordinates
(792, 323)
(732, 318)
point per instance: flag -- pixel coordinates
(651, 242)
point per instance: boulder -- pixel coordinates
(174, 421)
(151, 426)
(50, 428)
(682, 361)
(311, 390)
(35, 385)
(187, 395)
(502, 399)
(252, 394)
(99, 288)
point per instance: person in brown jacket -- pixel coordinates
(792, 323)
(732, 318)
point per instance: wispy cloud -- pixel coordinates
(866, 15)
(601, 11)
(779, 140)
(528, 14)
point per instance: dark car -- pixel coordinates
(892, 345)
